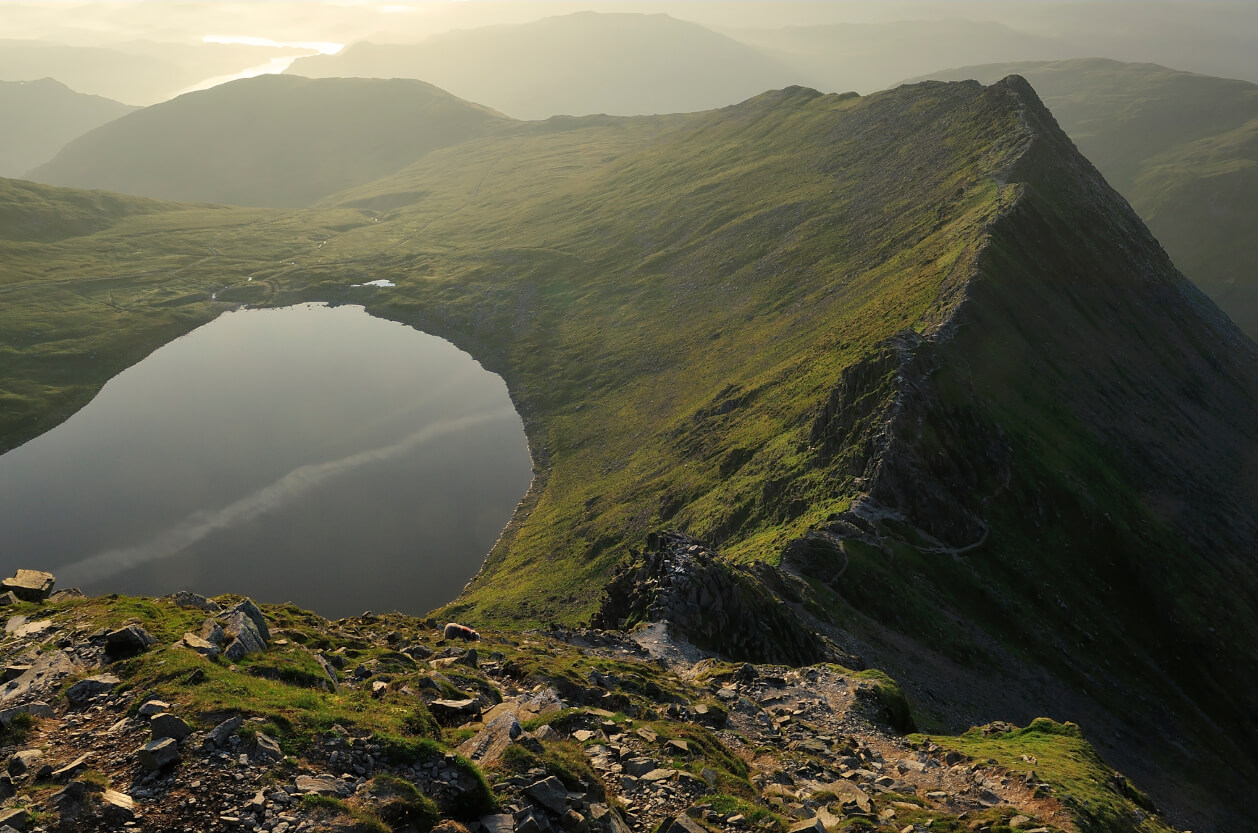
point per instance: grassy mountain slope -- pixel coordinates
(40, 117)
(1182, 148)
(32, 212)
(622, 64)
(271, 140)
(909, 347)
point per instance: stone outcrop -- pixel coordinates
(246, 629)
(711, 604)
(29, 585)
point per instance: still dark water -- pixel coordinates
(308, 454)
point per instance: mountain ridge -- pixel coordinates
(1178, 145)
(701, 321)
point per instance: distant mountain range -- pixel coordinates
(272, 140)
(1181, 147)
(40, 117)
(138, 73)
(578, 64)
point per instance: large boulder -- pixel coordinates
(246, 627)
(266, 749)
(490, 743)
(84, 690)
(30, 585)
(188, 599)
(167, 725)
(157, 754)
(128, 641)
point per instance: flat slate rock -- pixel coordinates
(204, 647)
(30, 585)
(188, 599)
(500, 823)
(845, 792)
(71, 769)
(89, 687)
(550, 793)
(167, 725)
(158, 753)
(152, 707)
(221, 733)
(116, 807)
(812, 825)
(36, 709)
(490, 743)
(685, 824)
(322, 785)
(266, 748)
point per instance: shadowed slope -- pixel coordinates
(1182, 148)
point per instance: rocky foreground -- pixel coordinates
(187, 713)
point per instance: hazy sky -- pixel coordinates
(113, 21)
(1212, 37)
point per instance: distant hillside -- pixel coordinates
(872, 56)
(40, 117)
(271, 140)
(620, 64)
(1182, 148)
(33, 212)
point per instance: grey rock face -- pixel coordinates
(84, 690)
(322, 785)
(245, 625)
(186, 599)
(29, 585)
(491, 742)
(454, 711)
(117, 808)
(127, 641)
(152, 707)
(204, 647)
(266, 748)
(71, 769)
(166, 725)
(550, 793)
(219, 735)
(21, 761)
(157, 754)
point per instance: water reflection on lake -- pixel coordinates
(312, 454)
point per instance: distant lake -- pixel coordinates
(310, 454)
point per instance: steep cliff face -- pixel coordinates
(1068, 467)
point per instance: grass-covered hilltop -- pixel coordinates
(916, 389)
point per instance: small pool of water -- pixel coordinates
(310, 454)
